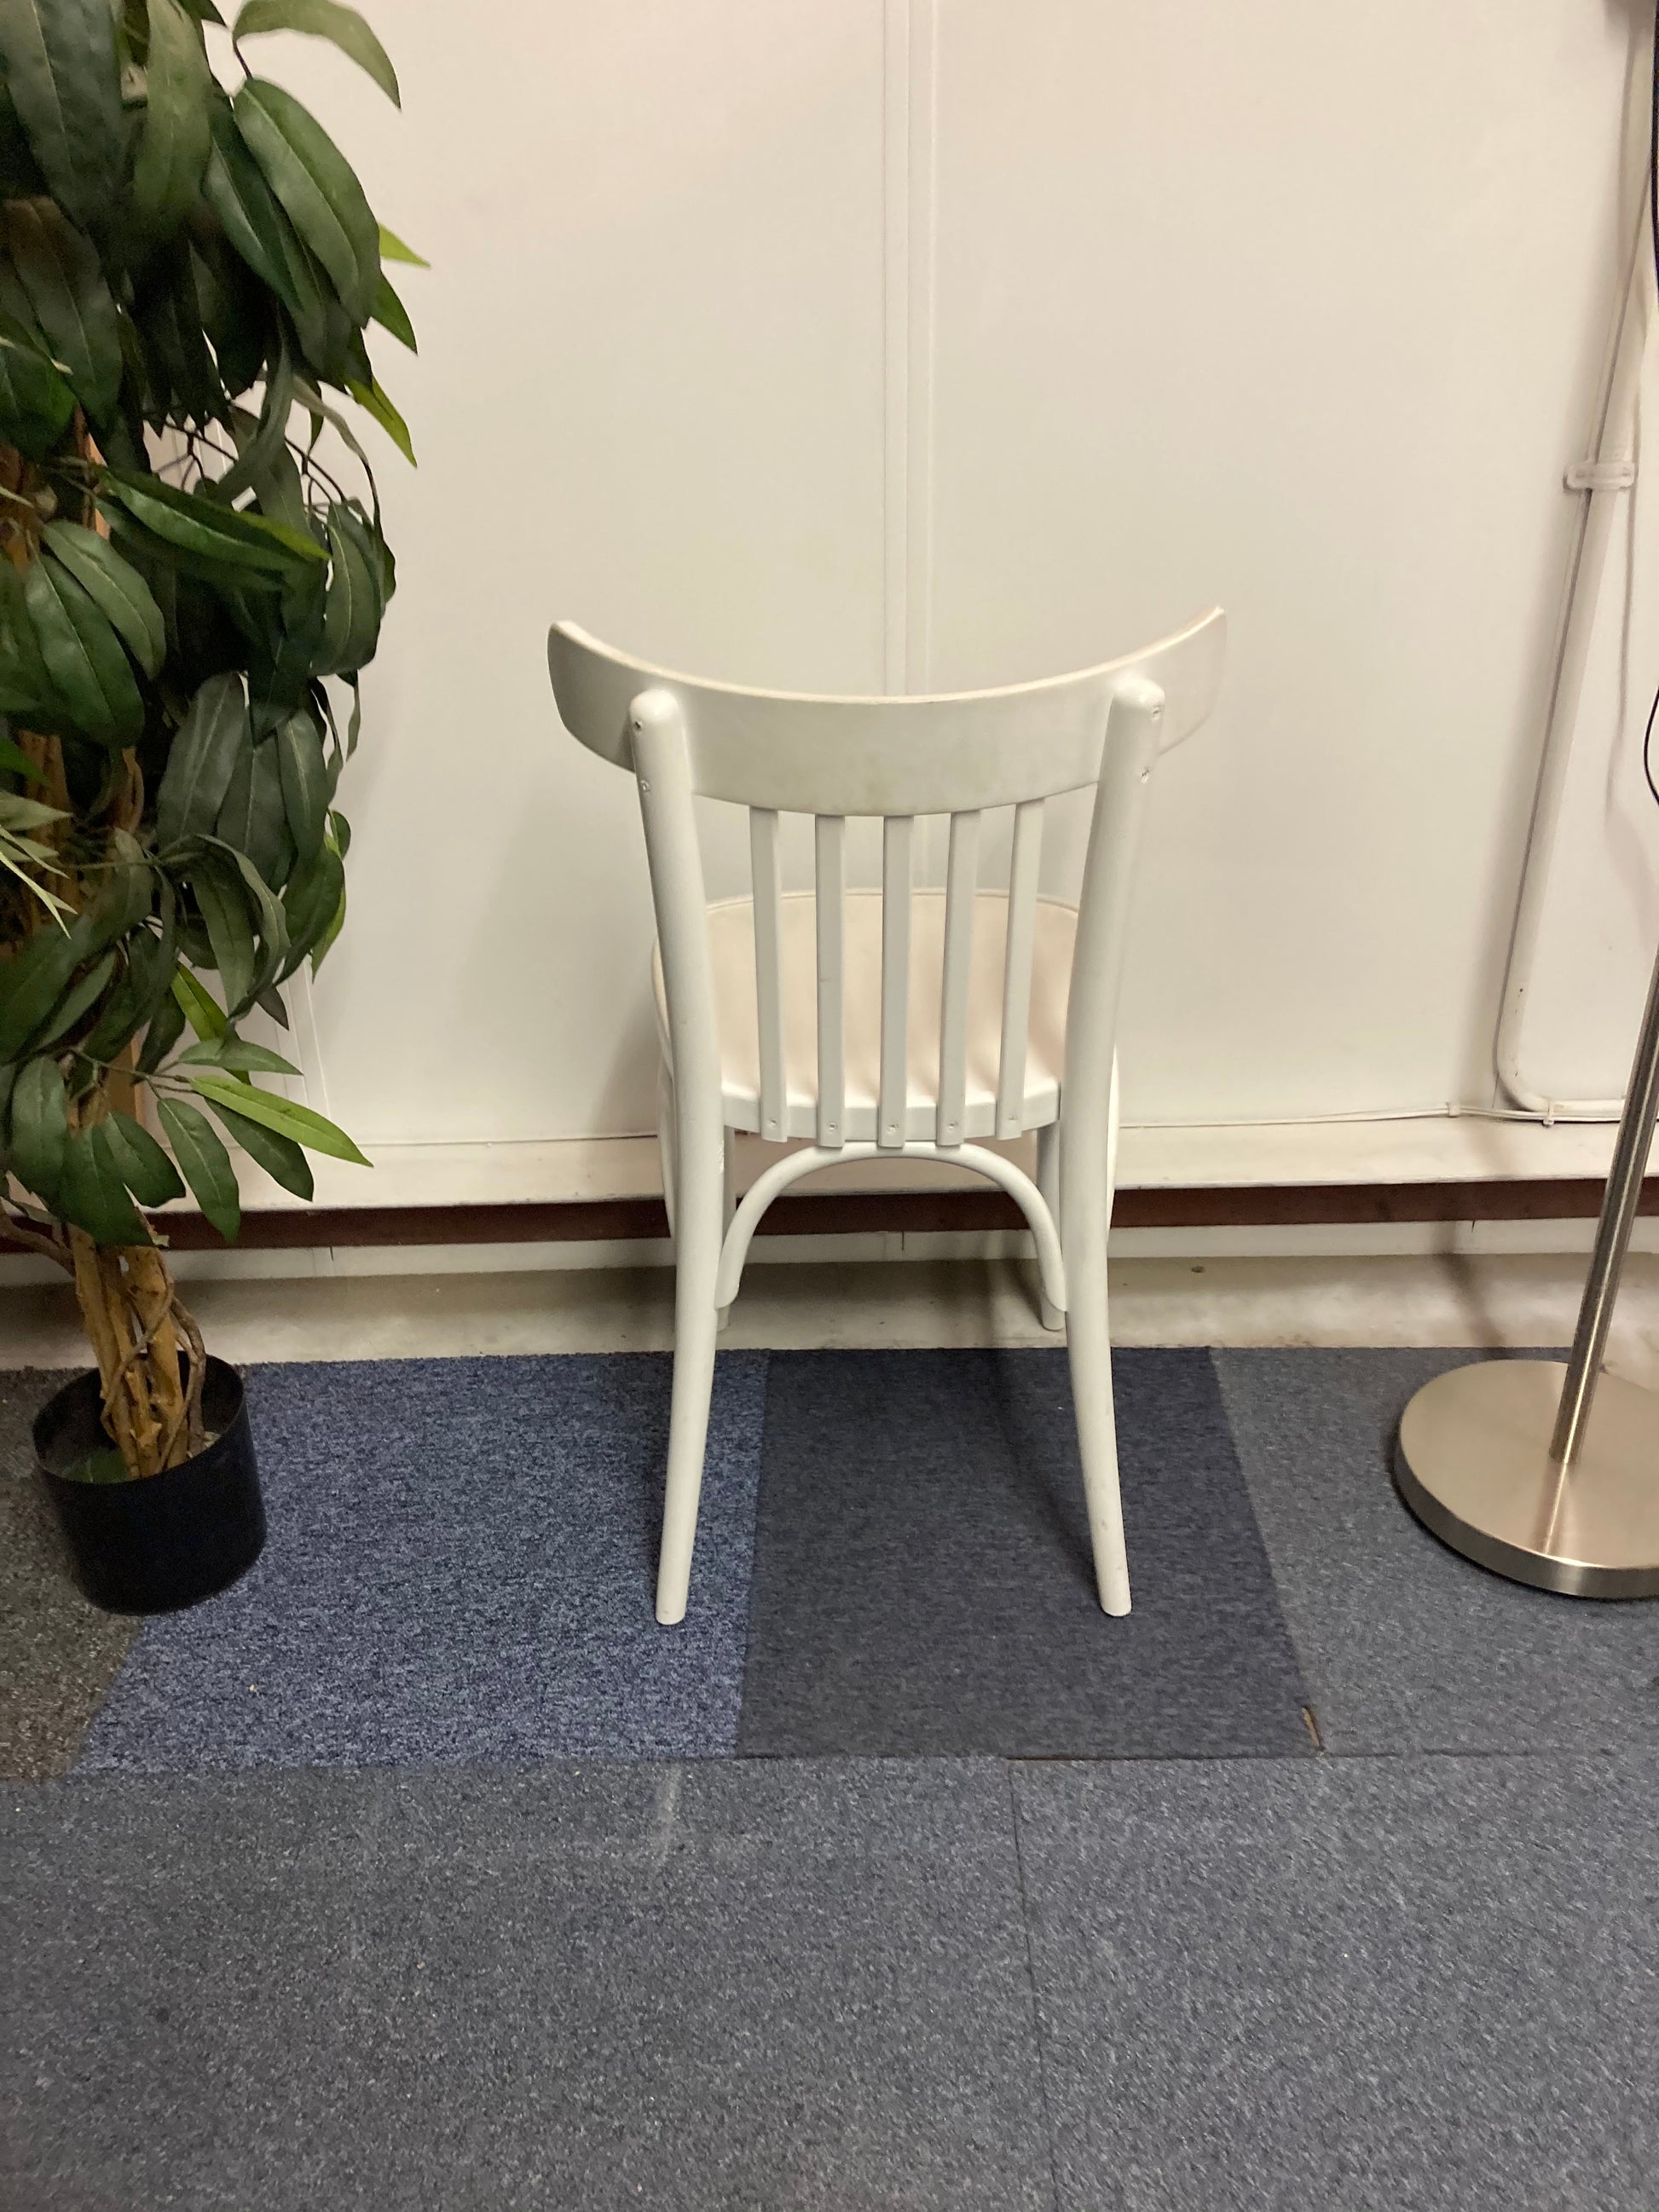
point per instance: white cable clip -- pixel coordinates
(1601, 476)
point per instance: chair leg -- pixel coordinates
(696, 1264)
(666, 1138)
(1086, 1193)
(1088, 1345)
(1048, 1183)
(729, 1206)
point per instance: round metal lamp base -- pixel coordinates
(1472, 1462)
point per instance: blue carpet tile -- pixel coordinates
(1405, 1645)
(734, 1987)
(1348, 1985)
(459, 1567)
(922, 1583)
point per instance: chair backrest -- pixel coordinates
(957, 754)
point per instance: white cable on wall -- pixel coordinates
(1608, 474)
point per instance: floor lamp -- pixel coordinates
(1550, 1474)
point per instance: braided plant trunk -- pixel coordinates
(151, 1361)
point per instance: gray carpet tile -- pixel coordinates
(460, 1566)
(1405, 1645)
(923, 1582)
(714, 1985)
(1348, 1985)
(58, 1654)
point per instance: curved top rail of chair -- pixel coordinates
(807, 752)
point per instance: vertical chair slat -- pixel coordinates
(1016, 971)
(829, 842)
(961, 884)
(894, 1097)
(769, 972)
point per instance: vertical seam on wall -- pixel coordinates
(922, 259)
(896, 340)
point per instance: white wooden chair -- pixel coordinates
(897, 1022)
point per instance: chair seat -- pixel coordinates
(731, 951)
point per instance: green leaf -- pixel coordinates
(277, 488)
(126, 894)
(234, 188)
(310, 903)
(200, 1009)
(75, 1003)
(268, 439)
(165, 1026)
(91, 1194)
(15, 762)
(212, 738)
(24, 687)
(324, 19)
(325, 944)
(115, 585)
(136, 1157)
(252, 818)
(279, 1156)
(35, 401)
(373, 400)
(173, 149)
(239, 1055)
(389, 313)
(83, 656)
(351, 612)
(60, 67)
(235, 308)
(365, 534)
(62, 275)
(288, 643)
(273, 926)
(304, 781)
(138, 998)
(179, 374)
(312, 1130)
(393, 249)
(17, 813)
(317, 187)
(230, 932)
(33, 980)
(39, 1129)
(221, 536)
(20, 172)
(204, 1163)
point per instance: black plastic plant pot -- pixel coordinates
(160, 1542)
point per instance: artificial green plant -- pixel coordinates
(188, 271)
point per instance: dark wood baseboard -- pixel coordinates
(917, 1213)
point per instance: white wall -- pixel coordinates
(826, 341)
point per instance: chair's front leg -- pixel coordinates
(1047, 1183)
(666, 1138)
(1086, 1200)
(696, 1265)
(729, 1206)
